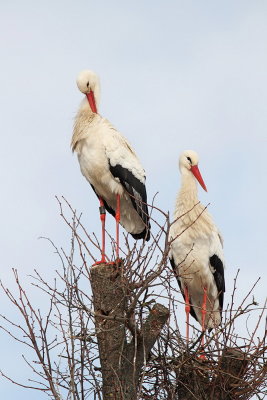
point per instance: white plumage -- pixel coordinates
(108, 162)
(196, 247)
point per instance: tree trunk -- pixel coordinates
(232, 366)
(199, 380)
(121, 362)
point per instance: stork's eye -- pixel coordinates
(87, 84)
(189, 159)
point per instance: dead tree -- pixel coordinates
(121, 339)
(121, 362)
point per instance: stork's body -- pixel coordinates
(109, 163)
(196, 251)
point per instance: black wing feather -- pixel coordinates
(218, 274)
(138, 196)
(192, 311)
(107, 207)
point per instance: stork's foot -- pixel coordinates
(201, 353)
(104, 261)
(116, 263)
(202, 357)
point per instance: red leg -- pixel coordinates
(187, 311)
(118, 217)
(102, 211)
(203, 312)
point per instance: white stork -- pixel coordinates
(196, 250)
(110, 165)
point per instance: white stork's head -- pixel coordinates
(188, 161)
(88, 83)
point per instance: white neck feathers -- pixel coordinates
(83, 120)
(189, 212)
(187, 196)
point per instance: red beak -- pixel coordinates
(195, 171)
(91, 98)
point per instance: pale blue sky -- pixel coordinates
(174, 75)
